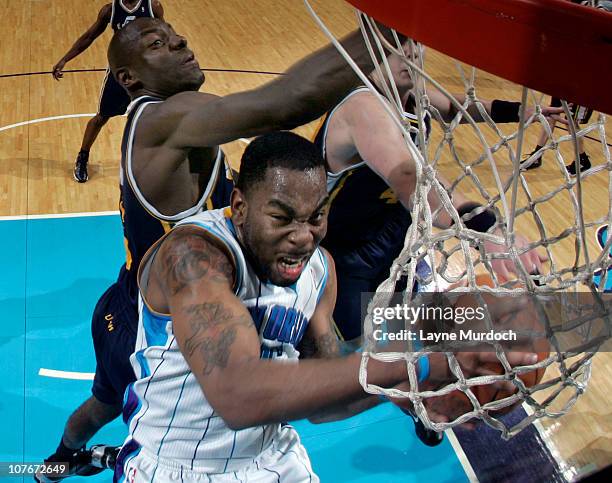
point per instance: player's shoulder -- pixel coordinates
(176, 106)
(328, 259)
(106, 12)
(194, 238)
(185, 101)
(360, 103)
(359, 95)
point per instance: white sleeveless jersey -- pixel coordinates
(166, 410)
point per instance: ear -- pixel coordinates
(127, 79)
(239, 207)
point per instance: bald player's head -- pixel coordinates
(148, 57)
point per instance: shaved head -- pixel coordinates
(147, 57)
(121, 47)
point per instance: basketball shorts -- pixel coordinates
(581, 114)
(284, 461)
(113, 328)
(114, 99)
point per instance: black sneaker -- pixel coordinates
(536, 163)
(533, 165)
(80, 167)
(428, 437)
(585, 164)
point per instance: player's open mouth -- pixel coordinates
(291, 267)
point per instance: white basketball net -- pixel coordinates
(493, 178)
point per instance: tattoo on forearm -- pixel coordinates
(190, 258)
(215, 351)
(328, 345)
(213, 331)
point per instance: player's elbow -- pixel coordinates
(402, 179)
(239, 409)
(238, 422)
(240, 415)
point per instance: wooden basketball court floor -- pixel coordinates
(56, 266)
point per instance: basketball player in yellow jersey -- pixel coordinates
(113, 98)
(371, 179)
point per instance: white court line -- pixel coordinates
(79, 376)
(568, 471)
(461, 456)
(44, 119)
(58, 215)
(63, 215)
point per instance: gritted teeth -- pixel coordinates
(292, 261)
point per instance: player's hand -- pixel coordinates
(57, 70)
(532, 260)
(473, 364)
(78, 464)
(556, 114)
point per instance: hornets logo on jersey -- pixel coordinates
(281, 329)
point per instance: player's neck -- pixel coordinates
(151, 93)
(380, 85)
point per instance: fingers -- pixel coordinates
(561, 119)
(533, 261)
(521, 358)
(437, 417)
(501, 269)
(547, 111)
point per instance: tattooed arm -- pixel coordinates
(192, 277)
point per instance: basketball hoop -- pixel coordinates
(508, 39)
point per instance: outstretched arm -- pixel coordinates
(503, 112)
(85, 40)
(380, 142)
(377, 139)
(220, 343)
(306, 91)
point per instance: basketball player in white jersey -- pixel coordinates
(113, 98)
(226, 298)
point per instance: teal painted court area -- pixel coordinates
(54, 270)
